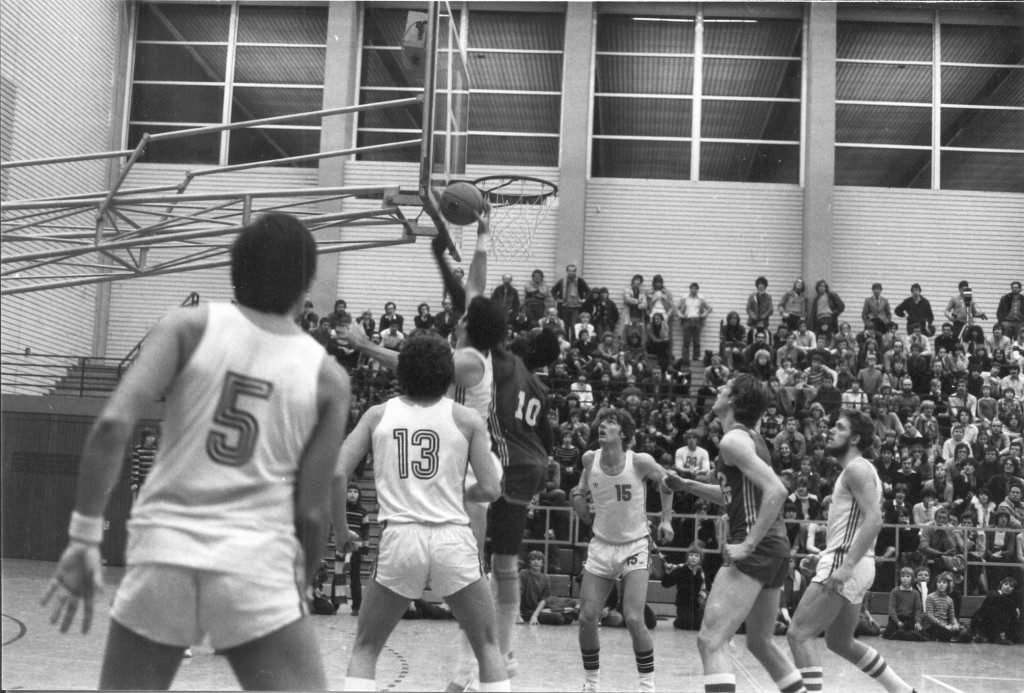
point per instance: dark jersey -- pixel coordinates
(520, 431)
(743, 502)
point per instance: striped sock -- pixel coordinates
(791, 683)
(874, 665)
(812, 678)
(645, 661)
(719, 683)
(355, 684)
(591, 659)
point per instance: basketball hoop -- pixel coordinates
(518, 206)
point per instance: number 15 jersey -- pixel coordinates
(420, 458)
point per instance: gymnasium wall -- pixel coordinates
(935, 238)
(720, 235)
(59, 98)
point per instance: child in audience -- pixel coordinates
(905, 610)
(940, 622)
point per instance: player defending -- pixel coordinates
(614, 477)
(421, 442)
(254, 420)
(755, 552)
(846, 567)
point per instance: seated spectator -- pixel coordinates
(659, 340)
(759, 340)
(1000, 546)
(965, 484)
(784, 460)
(942, 546)
(854, 397)
(796, 440)
(761, 366)
(691, 589)
(423, 320)
(390, 317)
(941, 486)
(733, 340)
(940, 622)
(999, 485)
(906, 610)
(771, 422)
(584, 335)
(536, 604)
(1013, 505)
(393, 337)
(808, 507)
(368, 324)
(568, 457)
(999, 615)
(923, 512)
(973, 540)
(819, 376)
(422, 609)
(691, 460)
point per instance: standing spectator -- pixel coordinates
(507, 295)
(961, 310)
(693, 311)
(794, 306)
(759, 305)
(1010, 313)
(659, 300)
(826, 307)
(423, 320)
(634, 302)
(569, 293)
(659, 341)
(390, 317)
(876, 310)
(535, 297)
(691, 590)
(603, 312)
(143, 456)
(917, 310)
(359, 522)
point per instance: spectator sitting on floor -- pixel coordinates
(536, 604)
(940, 621)
(997, 619)
(905, 610)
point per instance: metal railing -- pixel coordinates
(191, 301)
(28, 373)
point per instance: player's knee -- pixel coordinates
(797, 634)
(635, 623)
(841, 644)
(589, 619)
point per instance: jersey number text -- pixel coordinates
(425, 465)
(623, 492)
(233, 422)
(528, 411)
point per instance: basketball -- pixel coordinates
(460, 202)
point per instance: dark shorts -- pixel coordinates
(506, 522)
(770, 571)
(520, 484)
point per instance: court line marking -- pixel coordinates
(977, 678)
(745, 671)
(944, 685)
(21, 631)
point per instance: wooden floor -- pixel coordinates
(419, 654)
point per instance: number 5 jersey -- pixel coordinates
(237, 421)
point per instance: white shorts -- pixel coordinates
(615, 560)
(413, 556)
(175, 605)
(860, 580)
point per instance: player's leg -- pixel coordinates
(817, 610)
(732, 595)
(381, 611)
(839, 638)
(286, 660)
(594, 592)
(760, 641)
(474, 610)
(132, 662)
(634, 598)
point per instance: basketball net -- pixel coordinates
(519, 204)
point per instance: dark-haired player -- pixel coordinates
(254, 421)
(756, 551)
(421, 443)
(846, 568)
(614, 478)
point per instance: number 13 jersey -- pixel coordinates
(420, 458)
(238, 418)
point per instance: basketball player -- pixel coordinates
(755, 552)
(254, 421)
(421, 442)
(614, 477)
(846, 567)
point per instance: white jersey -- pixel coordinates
(620, 502)
(420, 458)
(845, 516)
(238, 418)
(477, 397)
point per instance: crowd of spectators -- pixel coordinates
(945, 396)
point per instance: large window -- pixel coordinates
(199, 65)
(515, 72)
(932, 103)
(710, 96)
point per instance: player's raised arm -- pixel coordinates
(313, 502)
(740, 450)
(166, 349)
(650, 469)
(353, 336)
(488, 484)
(709, 492)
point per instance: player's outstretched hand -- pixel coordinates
(78, 577)
(483, 218)
(673, 482)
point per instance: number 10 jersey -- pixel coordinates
(420, 458)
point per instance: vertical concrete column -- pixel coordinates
(819, 144)
(577, 70)
(340, 89)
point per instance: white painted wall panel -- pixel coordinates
(935, 238)
(720, 235)
(58, 60)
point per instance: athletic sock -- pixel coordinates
(592, 665)
(719, 683)
(791, 683)
(495, 686)
(354, 684)
(813, 678)
(873, 664)
(645, 662)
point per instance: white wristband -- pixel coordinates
(85, 529)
